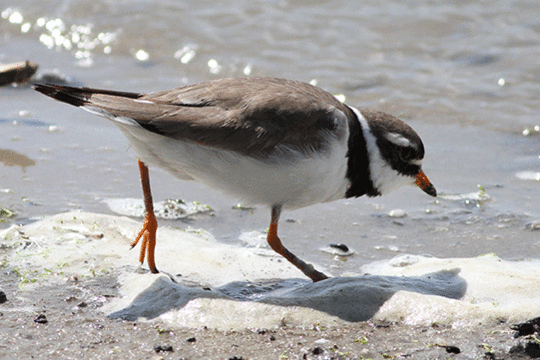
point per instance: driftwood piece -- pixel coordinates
(18, 72)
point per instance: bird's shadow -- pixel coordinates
(349, 298)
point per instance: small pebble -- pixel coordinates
(321, 341)
(397, 213)
(338, 249)
(40, 319)
(3, 297)
(451, 349)
(341, 247)
(535, 225)
(163, 348)
(191, 339)
(240, 206)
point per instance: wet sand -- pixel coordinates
(75, 328)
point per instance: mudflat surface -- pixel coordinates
(76, 329)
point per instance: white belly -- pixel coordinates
(290, 178)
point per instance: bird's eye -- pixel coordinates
(406, 154)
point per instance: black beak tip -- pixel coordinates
(430, 190)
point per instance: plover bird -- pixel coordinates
(281, 143)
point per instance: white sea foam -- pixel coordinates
(229, 294)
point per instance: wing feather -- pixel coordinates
(253, 116)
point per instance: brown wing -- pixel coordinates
(248, 115)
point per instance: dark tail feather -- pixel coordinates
(70, 95)
(77, 96)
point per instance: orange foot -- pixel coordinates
(148, 235)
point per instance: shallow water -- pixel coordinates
(465, 76)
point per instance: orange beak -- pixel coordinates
(423, 183)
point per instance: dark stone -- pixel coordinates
(191, 339)
(163, 348)
(529, 348)
(40, 319)
(341, 247)
(528, 327)
(532, 349)
(452, 349)
(3, 297)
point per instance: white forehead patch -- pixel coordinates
(397, 139)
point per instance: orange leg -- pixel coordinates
(149, 228)
(277, 246)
